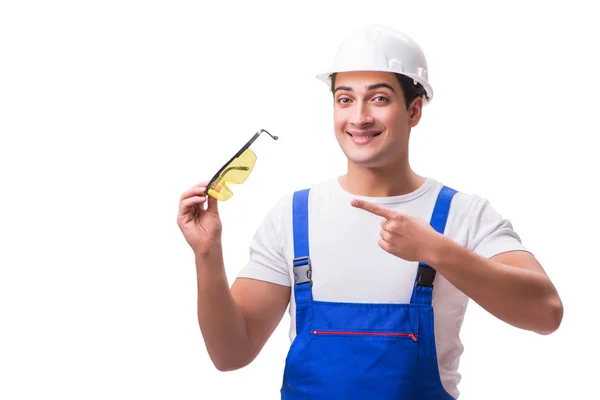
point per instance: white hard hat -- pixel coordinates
(380, 48)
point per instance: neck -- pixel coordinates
(387, 181)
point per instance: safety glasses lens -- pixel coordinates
(237, 171)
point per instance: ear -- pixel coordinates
(414, 112)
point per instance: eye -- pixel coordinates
(343, 100)
(381, 99)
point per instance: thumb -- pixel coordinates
(213, 205)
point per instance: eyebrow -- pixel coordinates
(372, 87)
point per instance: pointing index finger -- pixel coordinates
(373, 208)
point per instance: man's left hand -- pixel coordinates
(403, 235)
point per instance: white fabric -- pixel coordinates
(348, 264)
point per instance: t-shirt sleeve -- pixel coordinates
(266, 261)
(490, 233)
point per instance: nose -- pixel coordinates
(361, 118)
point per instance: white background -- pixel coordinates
(110, 110)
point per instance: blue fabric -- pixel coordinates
(302, 292)
(361, 350)
(439, 217)
(300, 220)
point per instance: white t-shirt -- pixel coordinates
(349, 266)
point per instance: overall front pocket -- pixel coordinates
(413, 336)
(356, 351)
(362, 364)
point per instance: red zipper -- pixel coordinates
(413, 336)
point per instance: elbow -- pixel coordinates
(227, 365)
(552, 317)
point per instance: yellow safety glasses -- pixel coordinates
(236, 170)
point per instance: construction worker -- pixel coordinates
(377, 265)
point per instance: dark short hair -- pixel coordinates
(410, 89)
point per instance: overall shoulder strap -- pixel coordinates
(423, 289)
(301, 264)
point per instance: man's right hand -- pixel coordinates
(200, 226)
(235, 322)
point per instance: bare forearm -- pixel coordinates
(521, 297)
(221, 322)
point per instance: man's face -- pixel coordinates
(371, 122)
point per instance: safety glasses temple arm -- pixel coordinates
(274, 137)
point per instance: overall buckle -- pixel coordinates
(425, 276)
(302, 270)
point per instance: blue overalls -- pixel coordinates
(362, 350)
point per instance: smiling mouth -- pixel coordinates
(364, 136)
